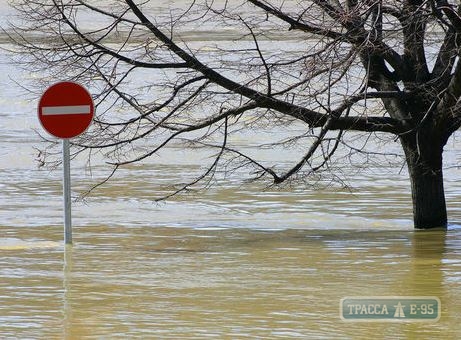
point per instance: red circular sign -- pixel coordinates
(66, 109)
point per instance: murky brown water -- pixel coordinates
(170, 283)
(238, 261)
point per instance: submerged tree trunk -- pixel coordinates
(424, 159)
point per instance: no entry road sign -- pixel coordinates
(65, 110)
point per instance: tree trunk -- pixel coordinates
(424, 159)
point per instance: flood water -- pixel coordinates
(237, 261)
(187, 283)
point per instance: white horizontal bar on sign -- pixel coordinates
(66, 110)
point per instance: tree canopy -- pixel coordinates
(331, 67)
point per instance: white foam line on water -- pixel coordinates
(17, 244)
(66, 110)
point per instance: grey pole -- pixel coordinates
(66, 192)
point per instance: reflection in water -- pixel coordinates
(425, 277)
(224, 283)
(429, 250)
(67, 307)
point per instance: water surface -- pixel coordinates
(164, 283)
(241, 260)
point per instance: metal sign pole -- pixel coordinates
(66, 191)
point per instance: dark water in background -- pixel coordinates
(237, 261)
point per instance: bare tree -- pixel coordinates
(388, 67)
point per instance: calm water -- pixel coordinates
(237, 261)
